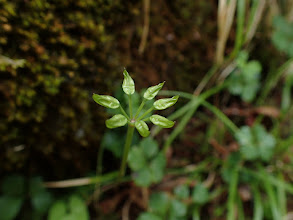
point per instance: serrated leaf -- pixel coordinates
(116, 121)
(106, 101)
(143, 177)
(162, 104)
(149, 216)
(9, 207)
(13, 185)
(161, 121)
(200, 194)
(128, 84)
(142, 128)
(151, 92)
(136, 159)
(149, 146)
(182, 191)
(159, 203)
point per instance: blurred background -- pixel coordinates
(55, 54)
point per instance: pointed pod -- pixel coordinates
(142, 128)
(161, 121)
(151, 92)
(106, 101)
(116, 121)
(128, 83)
(165, 103)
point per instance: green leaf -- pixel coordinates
(128, 83)
(165, 103)
(9, 207)
(142, 128)
(136, 160)
(78, 208)
(157, 167)
(182, 191)
(143, 177)
(200, 194)
(116, 121)
(151, 92)
(159, 203)
(161, 121)
(13, 185)
(178, 208)
(149, 146)
(148, 216)
(57, 211)
(42, 201)
(106, 101)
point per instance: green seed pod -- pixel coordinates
(142, 128)
(116, 121)
(106, 101)
(165, 103)
(161, 121)
(128, 83)
(151, 92)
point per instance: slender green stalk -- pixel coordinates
(191, 107)
(272, 80)
(232, 194)
(179, 128)
(272, 200)
(146, 112)
(241, 215)
(130, 105)
(196, 213)
(258, 208)
(221, 116)
(124, 113)
(240, 27)
(127, 145)
(140, 108)
(282, 200)
(269, 178)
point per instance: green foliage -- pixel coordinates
(200, 194)
(244, 81)
(71, 209)
(116, 121)
(256, 143)
(148, 165)
(151, 92)
(14, 194)
(129, 89)
(283, 35)
(161, 121)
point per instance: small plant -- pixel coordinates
(73, 208)
(139, 119)
(148, 165)
(15, 192)
(255, 143)
(244, 81)
(182, 204)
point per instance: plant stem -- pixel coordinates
(232, 194)
(124, 113)
(147, 112)
(140, 108)
(221, 116)
(127, 145)
(258, 208)
(130, 106)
